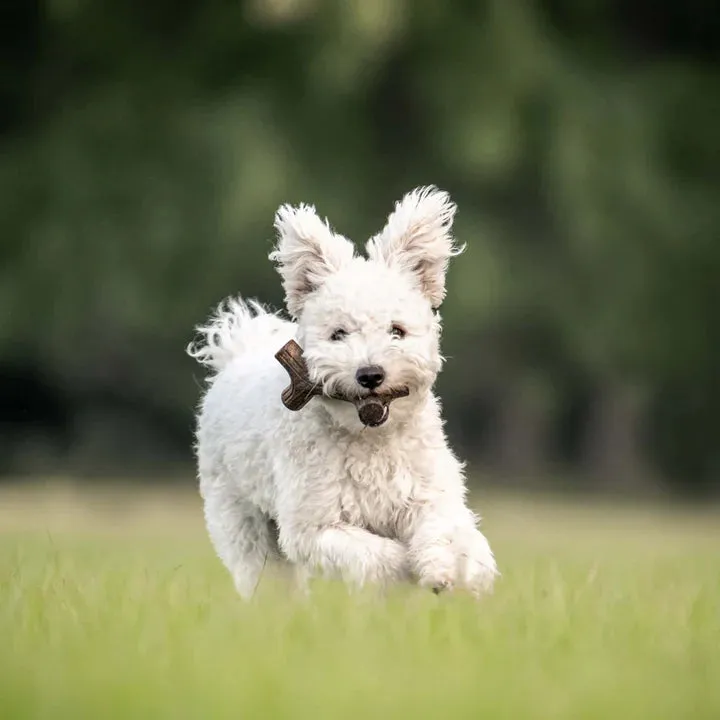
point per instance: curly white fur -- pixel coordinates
(315, 487)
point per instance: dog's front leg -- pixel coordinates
(445, 546)
(355, 554)
(313, 532)
(447, 550)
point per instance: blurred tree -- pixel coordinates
(146, 146)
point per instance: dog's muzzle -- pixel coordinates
(373, 409)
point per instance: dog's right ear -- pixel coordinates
(307, 252)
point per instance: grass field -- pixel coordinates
(113, 606)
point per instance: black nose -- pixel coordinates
(370, 377)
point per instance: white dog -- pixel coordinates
(316, 487)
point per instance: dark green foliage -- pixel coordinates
(145, 147)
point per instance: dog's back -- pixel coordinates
(232, 436)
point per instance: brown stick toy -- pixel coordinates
(301, 390)
(373, 410)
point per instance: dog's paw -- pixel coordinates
(477, 567)
(479, 575)
(437, 570)
(438, 584)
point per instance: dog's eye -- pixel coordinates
(398, 331)
(338, 334)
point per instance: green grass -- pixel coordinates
(115, 607)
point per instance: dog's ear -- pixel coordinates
(306, 253)
(418, 239)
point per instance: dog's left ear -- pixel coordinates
(418, 239)
(307, 252)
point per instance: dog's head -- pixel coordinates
(368, 325)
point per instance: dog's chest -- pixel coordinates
(376, 491)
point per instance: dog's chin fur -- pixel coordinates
(317, 488)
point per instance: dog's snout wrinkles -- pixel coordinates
(370, 377)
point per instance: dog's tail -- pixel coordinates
(237, 327)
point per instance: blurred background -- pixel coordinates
(145, 146)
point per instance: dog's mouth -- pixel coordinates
(373, 408)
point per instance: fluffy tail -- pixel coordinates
(236, 327)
